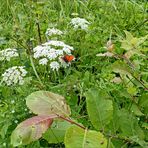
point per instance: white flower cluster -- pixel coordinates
(53, 31)
(52, 51)
(7, 54)
(14, 75)
(80, 23)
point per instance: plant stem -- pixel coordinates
(71, 121)
(39, 30)
(34, 69)
(140, 82)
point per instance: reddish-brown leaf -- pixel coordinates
(31, 129)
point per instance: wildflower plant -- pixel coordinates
(52, 52)
(100, 101)
(53, 31)
(79, 23)
(14, 75)
(7, 54)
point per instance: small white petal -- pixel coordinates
(54, 65)
(43, 61)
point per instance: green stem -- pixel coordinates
(34, 69)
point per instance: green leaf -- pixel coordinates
(121, 68)
(143, 102)
(99, 107)
(142, 143)
(132, 90)
(4, 128)
(135, 109)
(126, 43)
(79, 138)
(130, 42)
(47, 103)
(145, 125)
(30, 130)
(56, 132)
(129, 124)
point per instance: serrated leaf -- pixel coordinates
(56, 132)
(129, 36)
(30, 130)
(126, 43)
(130, 42)
(99, 108)
(47, 103)
(79, 138)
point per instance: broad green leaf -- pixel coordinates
(99, 108)
(79, 138)
(47, 103)
(128, 124)
(30, 130)
(113, 126)
(121, 68)
(56, 132)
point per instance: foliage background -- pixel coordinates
(19, 22)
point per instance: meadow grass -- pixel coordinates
(23, 26)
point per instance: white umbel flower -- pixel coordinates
(41, 51)
(7, 54)
(52, 54)
(14, 75)
(54, 65)
(80, 23)
(53, 31)
(43, 61)
(52, 51)
(55, 43)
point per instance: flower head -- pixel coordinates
(54, 65)
(80, 23)
(7, 54)
(43, 61)
(53, 31)
(14, 75)
(51, 51)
